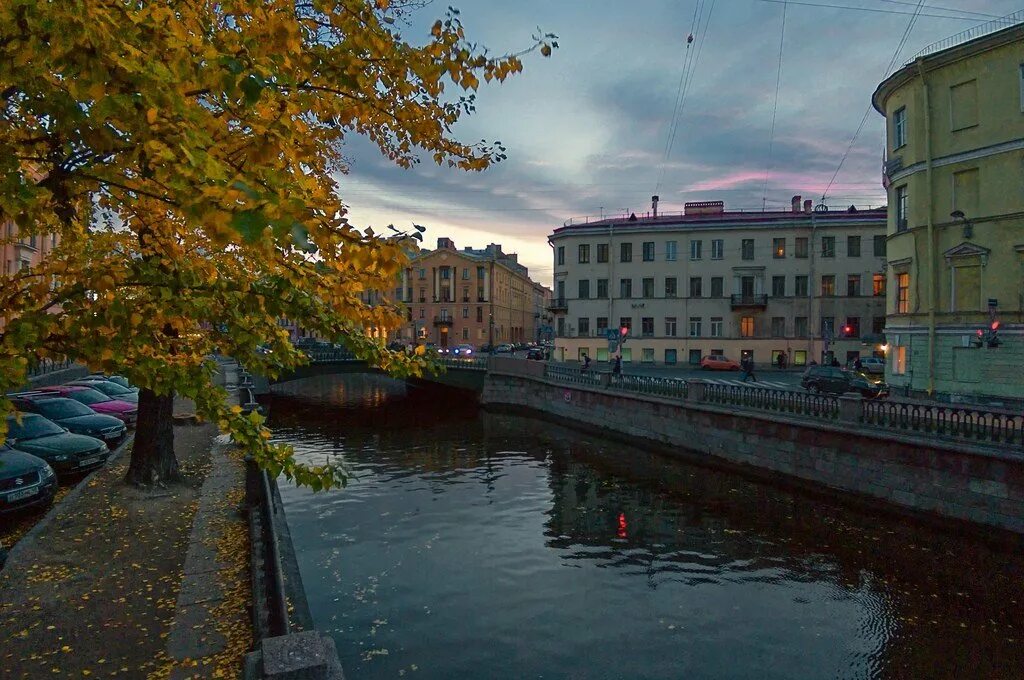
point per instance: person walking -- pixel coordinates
(617, 366)
(835, 361)
(858, 365)
(586, 361)
(781, 360)
(748, 369)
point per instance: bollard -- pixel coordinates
(695, 390)
(850, 408)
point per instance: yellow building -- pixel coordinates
(955, 178)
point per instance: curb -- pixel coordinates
(77, 491)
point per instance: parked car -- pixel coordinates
(26, 481)
(535, 354)
(97, 401)
(719, 362)
(873, 365)
(109, 388)
(65, 452)
(463, 351)
(486, 349)
(833, 380)
(504, 348)
(118, 379)
(73, 415)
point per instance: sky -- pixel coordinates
(587, 131)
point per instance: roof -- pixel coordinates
(733, 219)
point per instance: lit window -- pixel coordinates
(779, 247)
(747, 327)
(902, 293)
(899, 360)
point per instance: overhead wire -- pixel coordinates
(775, 109)
(687, 60)
(985, 15)
(874, 9)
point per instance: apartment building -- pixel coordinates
(954, 172)
(467, 296)
(21, 252)
(810, 283)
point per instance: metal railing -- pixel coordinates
(951, 422)
(779, 401)
(44, 366)
(648, 384)
(759, 300)
(972, 33)
(472, 364)
(324, 356)
(571, 374)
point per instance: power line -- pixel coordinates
(687, 60)
(944, 9)
(871, 9)
(775, 108)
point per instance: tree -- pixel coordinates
(188, 155)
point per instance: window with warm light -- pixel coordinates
(878, 285)
(902, 293)
(899, 360)
(747, 327)
(779, 247)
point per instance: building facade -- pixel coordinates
(709, 281)
(467, 296)
(21, 252)
(954, 173)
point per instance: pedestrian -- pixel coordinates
(858, 365)
(586, 361)
(748, 369)
(835, 361)
(781, 360)
(617, 366)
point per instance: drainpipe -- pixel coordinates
(810, 293)
(932, 269)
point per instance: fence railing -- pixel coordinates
(571, 374)
(646, 384)
(325, 356)
(473, 364)
(972, 33)
(780, 401)
(952, 422)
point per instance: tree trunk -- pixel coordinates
(153, 460)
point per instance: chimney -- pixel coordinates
(445, 242)
(796, 203)
(807, 206)
(654, 206)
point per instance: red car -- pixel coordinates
(719, 362)
(97, 401)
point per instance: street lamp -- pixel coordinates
(959, 216)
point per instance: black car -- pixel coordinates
(73, 415)
(26, 481)
(536, 354)
(832, 380)
(66, 453)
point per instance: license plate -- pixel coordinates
(25, 493)
(85, 462)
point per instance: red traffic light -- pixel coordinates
(980, 332)
(624, 331)
(847, 330)
(995, 325)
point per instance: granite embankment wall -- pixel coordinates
(979, 484)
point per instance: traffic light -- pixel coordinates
(847, 330)
(993, 334)
(979, 340)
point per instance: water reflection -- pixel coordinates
(476, 545)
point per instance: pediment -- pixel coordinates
(967, 249)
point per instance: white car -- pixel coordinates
(463, 351)
(873, 365)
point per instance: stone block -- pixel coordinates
(989, 487)
(307, 655)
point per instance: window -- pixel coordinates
(602, 252)
(747, 249)
(717, 286)
(716, 326)
(479, 314)
(423, 274)
(899, 127)
(647, 355)
(878, 285)
(695, 248)
(480, 273)
(778, 248)
(561, 327)
(695, 357)
(647, 326)
(625, 252)
(828, 324)
(878, 325)
(828, 285)
(800, 326)
(465, 312)
(561, 254)
(965, 192)
(963, 105)
(853, 285)
(778, 326)
(584, 254)
(584, 289)
(602, 325)
(583, 327)
(852, 327)
(747, 327)
(465, 273)
(853, 246)
(899, 360)
(902, 293)
(602, 289)
(879, 245)
(465, 334)
(625, 288)
(670, 357)
(421, 312)
(648, 251)
(670, 326)
(695, 326)
(901, 208)
(670, 251)
(779, 286)
(800, 286)
(626, 322)
(800, 247)
(717, 248)
(828, 246)
(670, 286)
(695, 286)
(648, 287)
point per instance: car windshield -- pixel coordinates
(57, 409)
(109, 388)
(88, 396)
(31, 427)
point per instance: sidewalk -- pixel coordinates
(131, 583)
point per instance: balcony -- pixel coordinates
(558, 305)
(749, 301)
(443, 321)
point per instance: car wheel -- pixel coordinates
(813, 388)
(705, 367)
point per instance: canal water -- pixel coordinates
(475, 545)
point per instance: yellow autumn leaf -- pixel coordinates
(151, 116)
